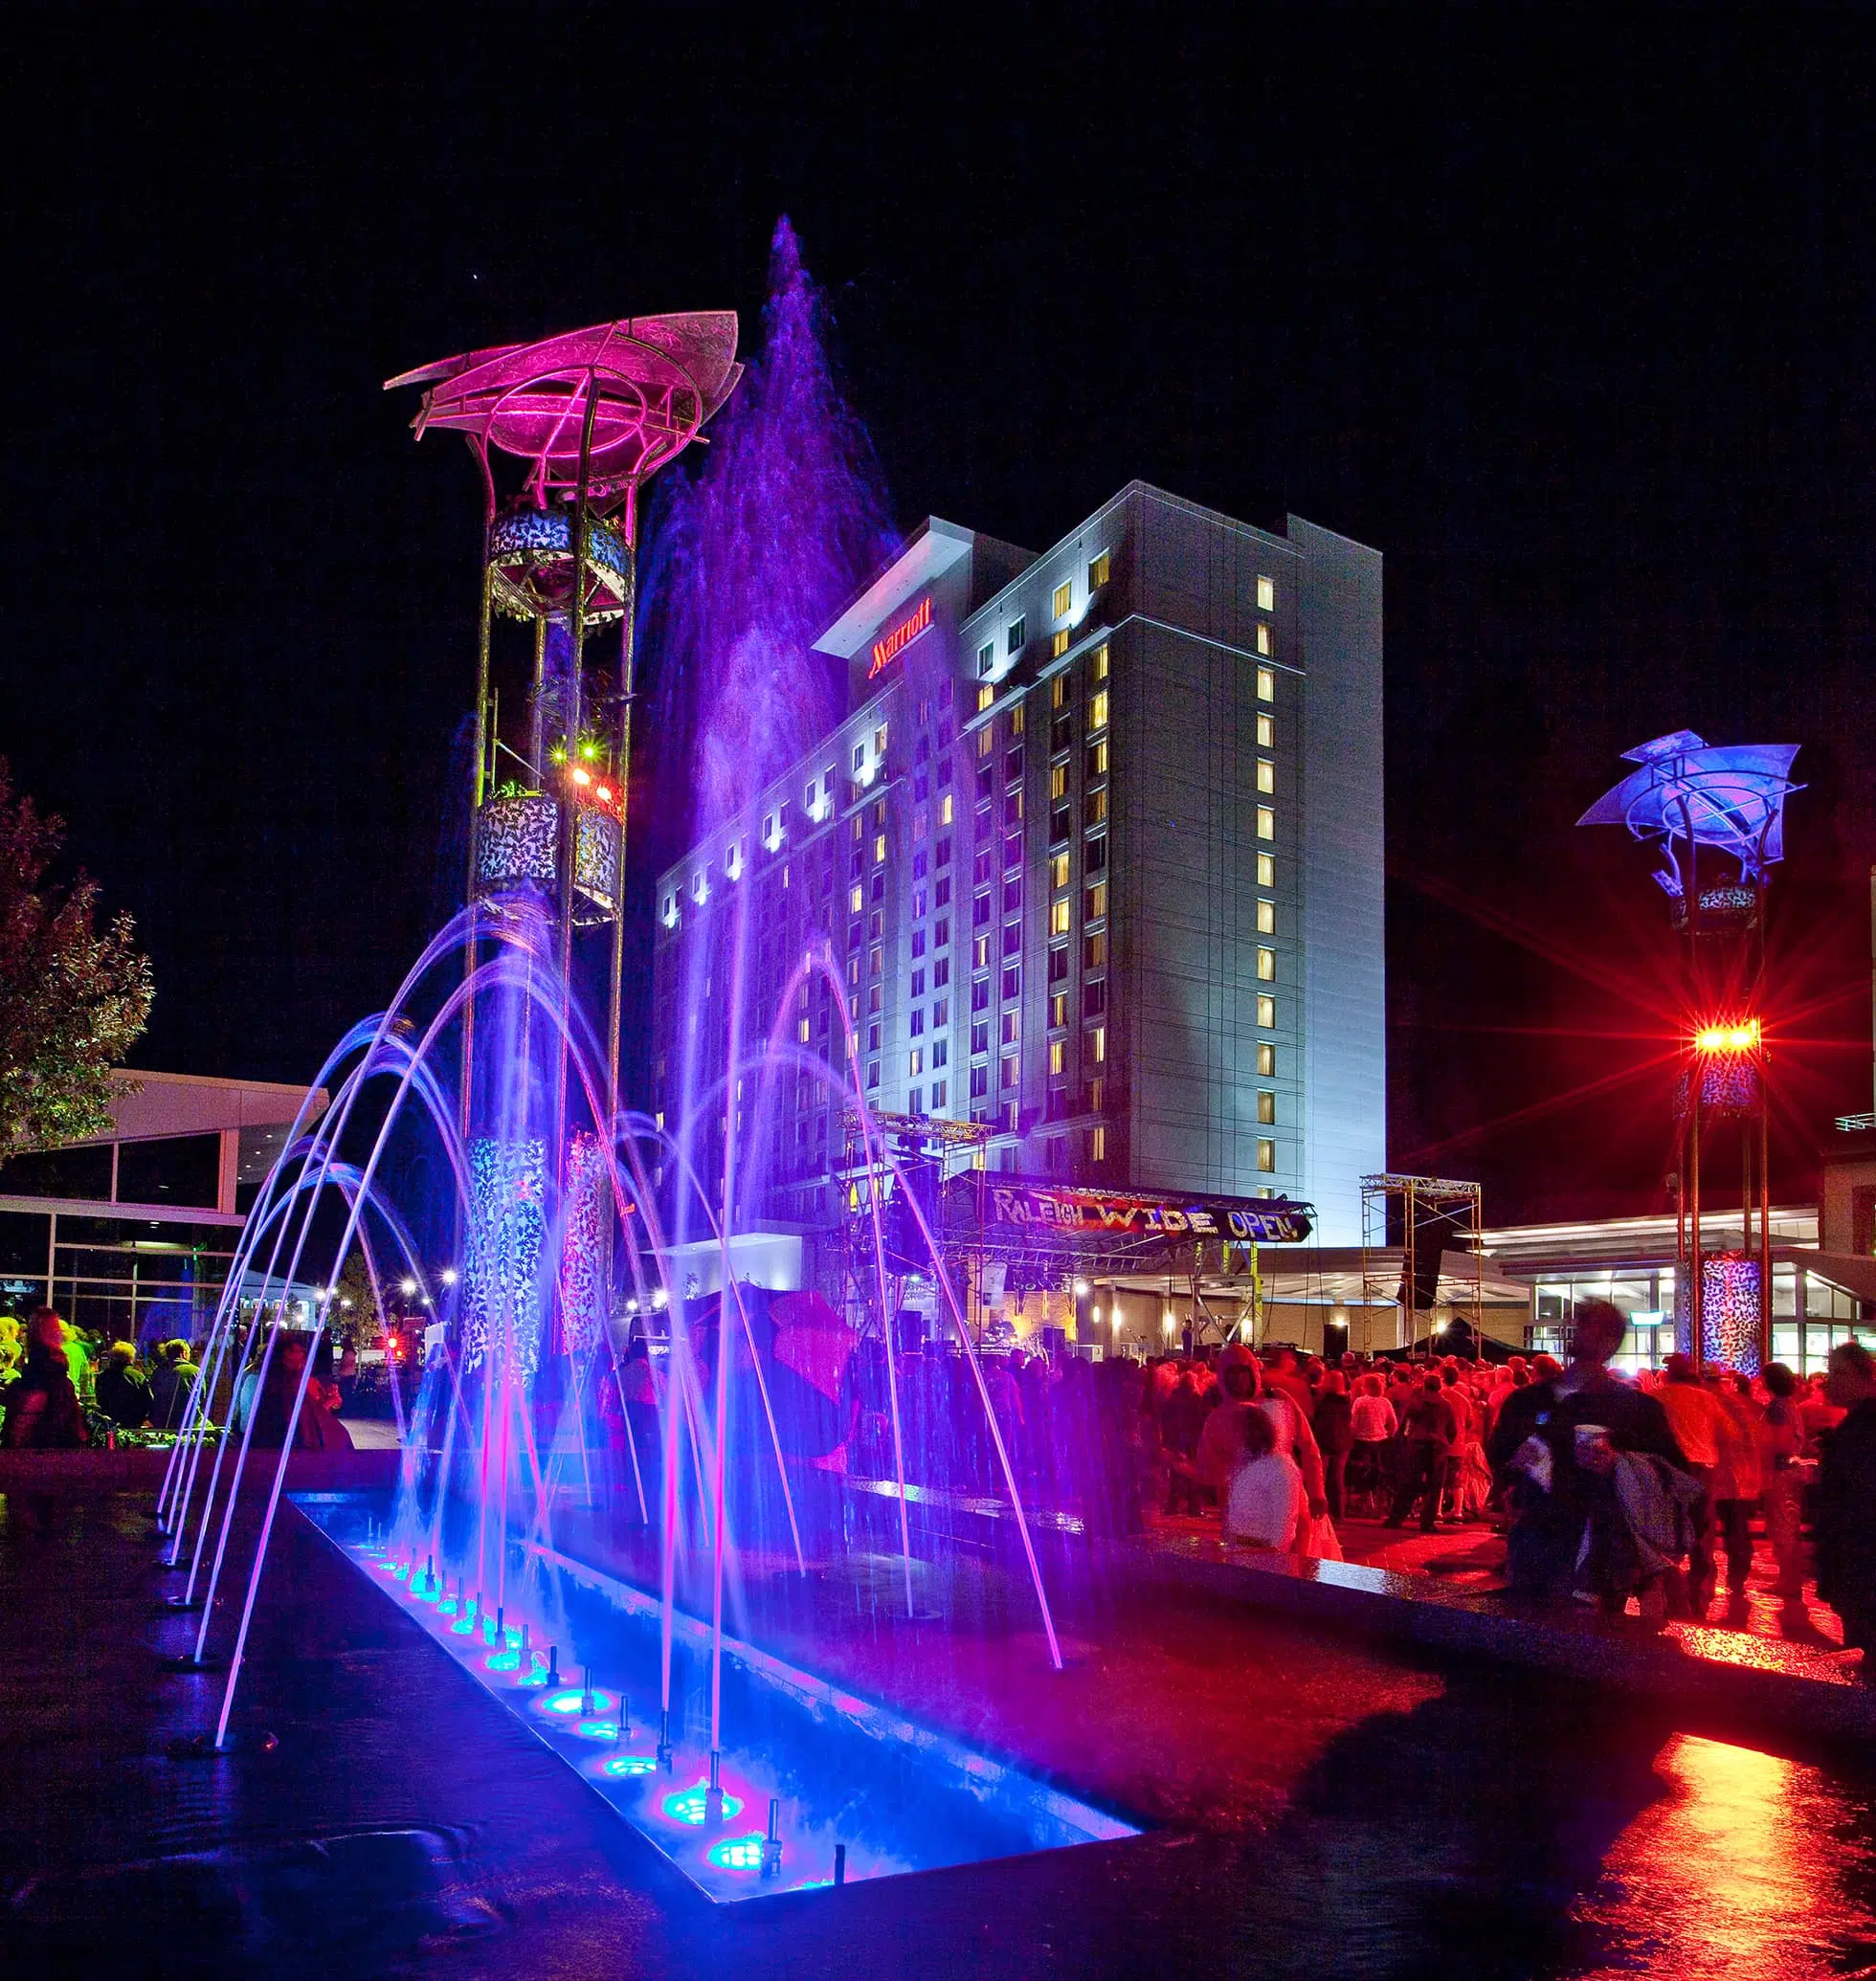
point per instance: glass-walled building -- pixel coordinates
(1819, 1299)
(131, 1236)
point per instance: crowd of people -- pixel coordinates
(61, 1389)
(1612, 1490)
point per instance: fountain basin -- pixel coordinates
(848, 1774)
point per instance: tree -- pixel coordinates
(353, 1316)
(73, 1002)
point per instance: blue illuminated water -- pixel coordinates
(844, 1770)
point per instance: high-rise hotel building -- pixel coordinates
(1098, 856)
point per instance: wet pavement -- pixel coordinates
(1318, 1806)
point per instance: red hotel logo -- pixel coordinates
(891, 645)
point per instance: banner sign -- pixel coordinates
(1269, 1221)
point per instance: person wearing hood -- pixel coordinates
(1222, 1444)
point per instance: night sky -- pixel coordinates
(1571, 319)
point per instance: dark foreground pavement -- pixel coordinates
(1318, 1804)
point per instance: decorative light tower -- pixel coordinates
(1730, 799)
(592, 415)
(586, 418)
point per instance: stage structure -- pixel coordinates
(1728, 799)
(1421, 1217)
(566, 432)
(1000, 1232)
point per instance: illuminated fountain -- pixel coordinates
(615, 1501)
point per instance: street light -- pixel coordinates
(448, 1276)
(1081, 1289)
(407, 1287)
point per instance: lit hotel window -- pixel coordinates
(986, 695)
(1266, 684)
(1098, 664)
(1058, 918)
(856, 900)
(1057, 780)
(1266, 822)
(986, 656)
(1266, 869)
(859, 757)
(1058, 867)
(1063, 600)
(1266, 1108)
(1267, 918)
(1266, 966)
(1097, 1045)
(1017, 633)
(1267, 594)
(1097, 572)
(1267, 1059)
(1266, 1013)
(1094, 760)
(1012, 1072)
(1059, 1006)
(1266, 1156)
(1266, 732)
(1059, 692)
(1266, 774)
(801, 1031)
(1098, 709)
(1058, 1055)
(1094, 902)
(1094, 950)
(1262, 638)
(1059, 643)
(1015, 719)
(918, 1060)
(1098, 1143)
(980, 952)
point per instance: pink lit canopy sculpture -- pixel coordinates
(590, 415)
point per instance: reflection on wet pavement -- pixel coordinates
(1749, 1866)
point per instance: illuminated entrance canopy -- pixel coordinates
(888, 647)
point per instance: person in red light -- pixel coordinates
(1555, 1447)
(1846, 1494)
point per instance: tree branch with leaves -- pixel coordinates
(73, 1000)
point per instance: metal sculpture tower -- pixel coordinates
(1687, 796)
(586, 418)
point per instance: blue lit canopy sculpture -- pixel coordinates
(1728, 796)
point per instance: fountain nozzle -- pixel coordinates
(553, 1666)
(586, 1705)
(664, 1741)
(772, 1845)
(713, 1794)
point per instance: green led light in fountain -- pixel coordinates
(623, 1766)
(736, 1853)
(687, 1806)
(571, 1702)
